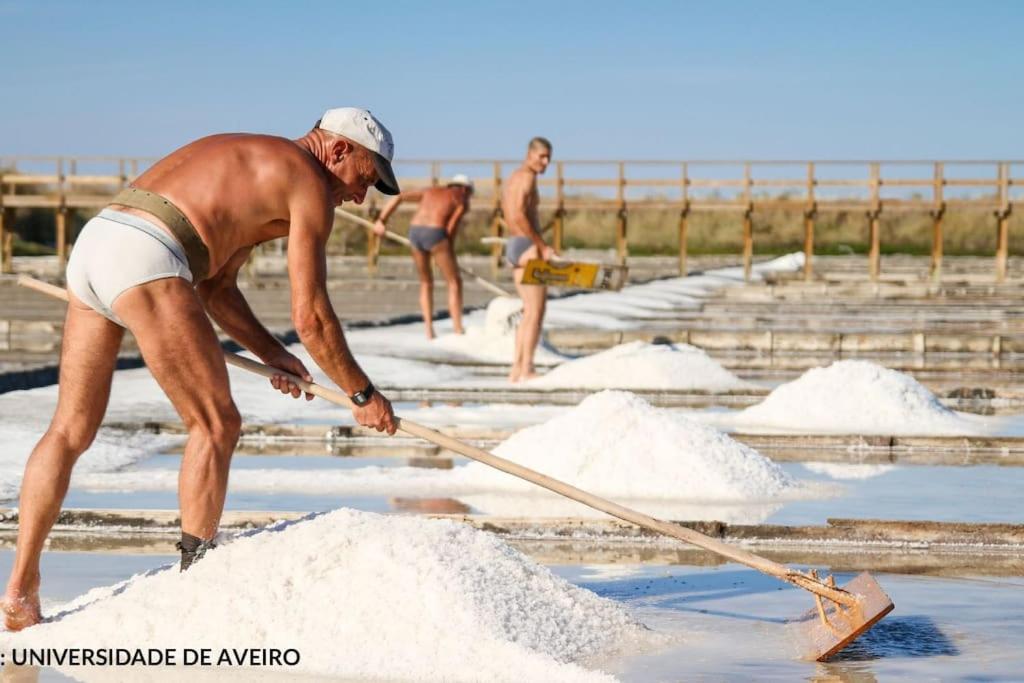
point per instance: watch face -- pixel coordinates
(361, 398)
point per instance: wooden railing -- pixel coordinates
(622, 187)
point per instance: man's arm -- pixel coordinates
(315, 321)
(227, 306)
(453, 220)
(382, 221)
(224, 302)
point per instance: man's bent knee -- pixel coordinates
(73, 439)
(228, 426)
(221, 428)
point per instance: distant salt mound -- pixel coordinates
(616, 444)
(640, 365)
(362, 596)
(848, 470)
(501, 314)
(854, 397)
(539, 505)
(494, 340)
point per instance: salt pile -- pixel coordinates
(489, 338)
(846, 470)
(501, 315)
(640, 365)
(361, 596)
(494, 340)
(616, 444)
(854, 397)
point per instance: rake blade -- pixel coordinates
(819, 641)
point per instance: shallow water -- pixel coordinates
(982, 493)
(731, 622)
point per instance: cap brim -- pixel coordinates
(386, 181)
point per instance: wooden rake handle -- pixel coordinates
(395, 237)
(696, 538)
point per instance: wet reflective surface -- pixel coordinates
(983, 493)
(730, 623)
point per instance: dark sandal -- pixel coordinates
(192, 549)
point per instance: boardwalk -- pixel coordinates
(809, 190)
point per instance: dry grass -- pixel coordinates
(656, 231)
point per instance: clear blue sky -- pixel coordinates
(666, 80)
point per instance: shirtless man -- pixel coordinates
(432, 233)
(519, 206)
(160, 269)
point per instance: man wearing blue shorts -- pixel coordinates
(432, 234)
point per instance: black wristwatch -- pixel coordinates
(361, 398)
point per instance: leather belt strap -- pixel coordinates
(195, 251)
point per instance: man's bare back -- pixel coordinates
(437, 205)
(236, 188)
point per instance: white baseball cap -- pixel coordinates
(362, 127)
(461, 179)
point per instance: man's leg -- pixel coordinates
(423, 269)
(88, 358)
(445, 255)
(517, 353)
(183, 354)
(528, 333)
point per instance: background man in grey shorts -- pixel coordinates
(432, 233)
(519, 202)
(235, 190)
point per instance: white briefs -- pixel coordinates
(116, 251)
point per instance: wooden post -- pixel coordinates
(684, 219)
(1003, 223)
(496, 229)
(62, 219)
(122, 172)
(62, 236)
(7, 241)
(558, 225)
(684, 227)
(810, 211)
(874, 250)
(435, 173)
(748, 243)
(748, 225)
(6, 230)
(938, 209)
(621, 244)
(372, 243)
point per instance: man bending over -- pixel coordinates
(432, 234)
(160, 258)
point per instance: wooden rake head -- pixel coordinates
(832, 625)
